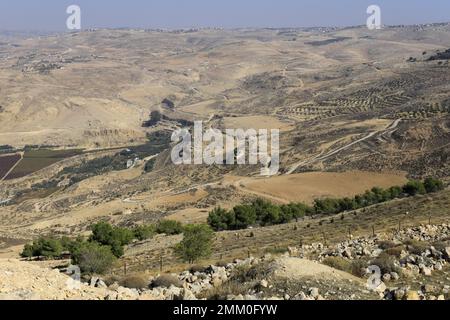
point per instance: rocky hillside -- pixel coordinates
(413, 264)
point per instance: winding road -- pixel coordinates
(390, 129)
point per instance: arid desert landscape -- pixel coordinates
(86, 120)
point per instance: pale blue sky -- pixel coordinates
(51, 15)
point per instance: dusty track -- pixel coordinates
(390, 129)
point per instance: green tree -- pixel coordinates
(433, 185)
(326, 206)
(268, 213)
(144, 232)
(196, 244)
(115, 237)
(220, 219)
(414, 187)
(346, 204)
(272, 215)
(27, 251)
(43, 247)
(123, 236)
(287, 213)
(245, 216)
(396, 192)
(93, 258)
(102, 233)
(169, 227)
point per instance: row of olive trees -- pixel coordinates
(259, 212)
(263, 213)
(377, 195)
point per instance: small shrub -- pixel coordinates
(395, 251)
(386, 263)
(165, 281)
(386, 244)
(112, 279)
(441, 245)
(144, 232)
(93, 258)
(169, 227)
(134, 282)
(433, 185)
(276, 250)
(220, 219)
(43, 247)
(417, 247)
(115, 237)
(221, 264)
(149, 165)
(414, 187)
(338, 263)
(358, 267)
(196, 243)
(197, 268)
(27, 251)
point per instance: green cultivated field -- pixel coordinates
(35, 160)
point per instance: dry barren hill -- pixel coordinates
(352, 105)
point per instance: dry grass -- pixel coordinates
(305, 187)
(384, 217)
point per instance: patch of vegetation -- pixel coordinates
(386, 263)
(263, 213)
(134, 282)
(149, 165)
(243, 279)
(155, 118)
(327, 41)
(46, 247)
(114, 237)
(395, 251)
(6, 147)
(95, 167)
(6, 163)
(338, 263)
(417, 247)
(105, 240)
(166, 281)
(169, 227)
(168, 103)
(144, 232)
(157, 142)
(358, 267)
(93, 258)
(37, 159)
(433, 185)
(196, 243)
(259, 212)
(440, 56)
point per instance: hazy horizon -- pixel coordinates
(26, 15)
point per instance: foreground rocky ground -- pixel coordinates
(413, 264)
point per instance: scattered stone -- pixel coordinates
(314, 292)
(386, 277)
(264, 283)
(394, 276)
(412, 295)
